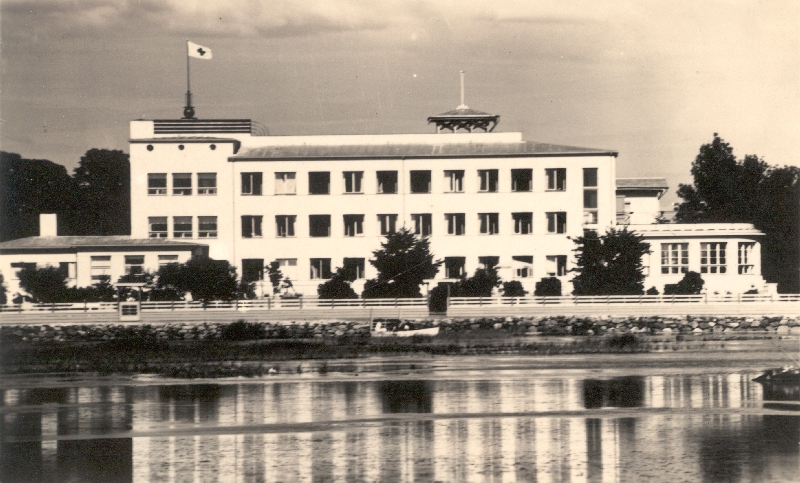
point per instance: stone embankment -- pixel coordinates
(474, 327)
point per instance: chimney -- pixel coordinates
(48, 224)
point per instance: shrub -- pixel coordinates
(690, 284)
(337, 287)
(481, 284)
(548, 287)
(652, 291)
(45, 285)
(242, 330)
(513, 289)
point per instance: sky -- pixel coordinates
(653, 80)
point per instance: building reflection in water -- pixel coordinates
(550, 436)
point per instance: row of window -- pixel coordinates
(320, 225)
(319, 182)
(675, 258)
(454, 267)
(100, 266)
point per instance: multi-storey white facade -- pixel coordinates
(316, 203)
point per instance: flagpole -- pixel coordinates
(188, 111)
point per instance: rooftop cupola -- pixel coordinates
(462, 117)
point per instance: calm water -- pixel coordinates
(398, 422)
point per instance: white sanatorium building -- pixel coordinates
(315, 203)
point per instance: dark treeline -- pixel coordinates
(95, 200)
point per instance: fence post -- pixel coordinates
(269, 303)
(53, 307)
(395, 302)
(300, 303)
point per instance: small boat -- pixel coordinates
(397, 328)
(783, 375)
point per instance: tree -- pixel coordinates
(548, 287)
(403, 262)
(275, 276)
(337, 287)
(3, 296)
(205, 278)
(513, 288)
(481, 284)
(610, 264)
(749, 191)
(32, 187)
(46, 285)
(691, 284)
(102, 186)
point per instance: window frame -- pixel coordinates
(282, 179)
(458, 263)
(358, 264)
(252, 183)
(158, 220)
(454, 180)
(254, 224)
(488, 180)
(313, 223)
(515, 179)
(154, 189)
(203, 186)
(180, 187)
(387, 223)
(208, 231)
(489, 223)
(323, 269)
(315, 180)
(674, 258)
(556, 179)
(134, 264)
(353, 182)
(456, 223)
(523, 222)
(560, 262)
(713, 258)
(522, 266)
(381, 178)
(353, 225)
(419, 220)
(285, 226)
(183, 232)
(425, 175)
(746, 258)
(556, 222)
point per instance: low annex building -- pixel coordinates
(87, 260)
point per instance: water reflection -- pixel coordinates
(621, 392)
(127, 433)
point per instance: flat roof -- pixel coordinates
(85, 243)
(430, 149)
(642, 183)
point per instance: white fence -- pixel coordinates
(279, 304)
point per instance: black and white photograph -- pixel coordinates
(399, 241)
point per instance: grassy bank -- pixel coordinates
(252, 348)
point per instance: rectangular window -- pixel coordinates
(488, 263)
(158, 226)
(251, 226)
(556, 179)
(285, 184)
(206, 183)
(746, 258)
(556, 265)
(352, 181)
(69, 269)
(490, 224)
(100, 268)
(181, 227)
(157, 183)
(252, 269)
(167, 259)
(590, 206)
(134, 264)
(21, 266)
(488, 180)
(456, 223)
(284, 225)
(420, 181)
(206, 226)
(454, 267)
(589, 177)
(712, 258)
(557, 222)
(674, 257)
(521, 180)
(251, 184)
(454, 181)
(388, 223)
(320, 268)
(354, 268)
(522, 265)
(422, 224)
(182, 184)
(387, 182)
(353, 225)
(319, 183)
(523, 223)
(319, 225)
